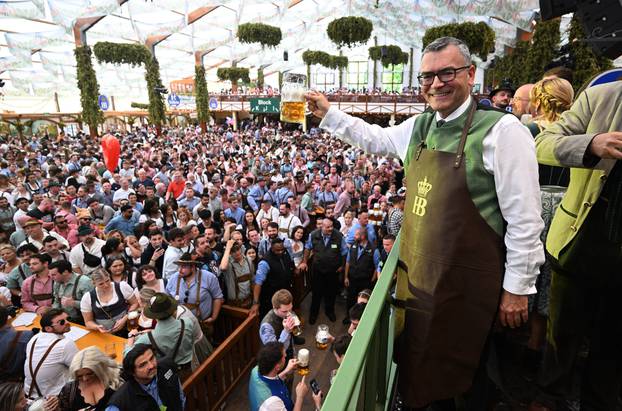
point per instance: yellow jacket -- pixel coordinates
(565, 143)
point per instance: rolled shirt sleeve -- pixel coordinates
(262, 272)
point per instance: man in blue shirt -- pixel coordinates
(188, 199)
(256, 194)
(196, 289)
(361, 264)
(234, 211)
(124, 222)
(279, 324)
(363, 223)
(152, 384)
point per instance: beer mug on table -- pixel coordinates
(293, 98)
(303, 362)
(322, 337)
(297, 330)
(132, 320)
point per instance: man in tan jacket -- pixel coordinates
(585, 243)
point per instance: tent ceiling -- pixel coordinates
(36, 54)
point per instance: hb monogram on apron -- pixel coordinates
(449, 278)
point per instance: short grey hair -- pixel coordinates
(442, 42)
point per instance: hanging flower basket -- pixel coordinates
(388, 55)
(259, 33)
(349, 31)
(311, 57)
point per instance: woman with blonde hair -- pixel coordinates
(94, 378)
(549, 97)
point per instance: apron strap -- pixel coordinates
(465, 131)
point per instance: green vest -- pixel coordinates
(480, 182)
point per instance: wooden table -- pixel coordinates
(108, 343)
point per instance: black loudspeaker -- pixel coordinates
(550, 9)
(285, 56)
(602, 21)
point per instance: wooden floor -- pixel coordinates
(321, 363)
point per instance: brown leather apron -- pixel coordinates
(449, 279)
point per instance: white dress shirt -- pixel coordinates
(508, 154)
(76, 257)
(54, 371)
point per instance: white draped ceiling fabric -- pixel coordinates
(36, 51)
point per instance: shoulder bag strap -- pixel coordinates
(33, 374)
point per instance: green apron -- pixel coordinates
(449, 278)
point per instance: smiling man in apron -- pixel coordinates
(470, 241)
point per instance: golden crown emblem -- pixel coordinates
(423, 187)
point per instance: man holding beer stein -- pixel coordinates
(280, 323)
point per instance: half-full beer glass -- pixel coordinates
(293, 98)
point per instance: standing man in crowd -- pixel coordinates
(69, 289)
(274, 272)
(520, 102)
(361, 265)
(502, 95)
(329, 250)
(443, 325)
(37, 293)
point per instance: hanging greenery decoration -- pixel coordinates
(89, 89)
(259, 33)
(349, 31)
(260, 78)
(393, 55)
(479, 37)
(586, 62)
(511, 65)
(311, 57)
(202, 97)
(233, 74)
(141, 106)
(135, 55)
(544, 44)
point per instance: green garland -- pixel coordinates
(141, 106)
(479, 37)
(135, 55)
(394, 55)
(311, 57)
(349, 31)
(233, 74)
(200, 88)
(259, 33)
(587, 63)
(260, 78)
(544, 44)
(89, 89)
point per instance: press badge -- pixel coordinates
(333, 246)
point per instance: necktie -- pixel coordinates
(439, 123)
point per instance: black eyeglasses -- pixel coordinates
(445, 75)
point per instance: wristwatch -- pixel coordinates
(255, 302)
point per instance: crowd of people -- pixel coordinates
(189, 221)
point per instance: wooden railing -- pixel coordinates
(238, 334)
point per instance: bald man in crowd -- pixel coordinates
(520, 102)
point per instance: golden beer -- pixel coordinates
(293, 111)
(297, 330)
(293, 98)
(303, 362)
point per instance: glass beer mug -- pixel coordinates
(322, 337)
(303, 361)
(293, 98)
(297, 330)
(132, 320)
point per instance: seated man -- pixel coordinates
(267, 389)
(152, 384)
(48, 356)
(69, 288)
(12, 349)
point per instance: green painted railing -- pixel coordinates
(366, 377)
